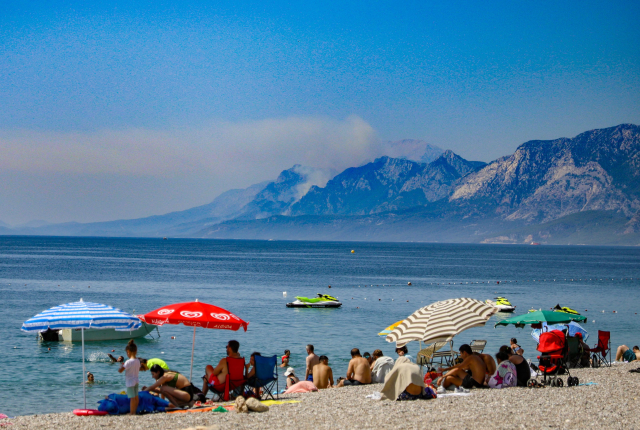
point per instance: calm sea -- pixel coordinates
(249, 277)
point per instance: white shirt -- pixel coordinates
(132, 370)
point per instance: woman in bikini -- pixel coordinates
(174, 386)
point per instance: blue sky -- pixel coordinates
(114, 109)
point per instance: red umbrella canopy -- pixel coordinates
(195, 314)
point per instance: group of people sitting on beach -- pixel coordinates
(472, 370)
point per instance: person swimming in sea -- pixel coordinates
(116, 360)
(285, 358)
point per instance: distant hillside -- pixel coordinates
(387, 184)
(581, 190)
(545, 180)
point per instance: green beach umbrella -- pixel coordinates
(538, 317)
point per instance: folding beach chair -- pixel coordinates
(602, 350)
(478, 345)
(446, 356)
(425, 356)
(266, 375)
(235, 381)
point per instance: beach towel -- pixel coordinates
(301, 387)
(401, 376)
(381, 368)
(505, 376)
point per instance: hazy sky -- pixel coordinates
(124, 109)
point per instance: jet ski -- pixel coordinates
(322, 301)
(565, 309)
(502, 304)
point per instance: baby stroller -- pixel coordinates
(553, 360)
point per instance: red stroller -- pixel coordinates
(553, 361)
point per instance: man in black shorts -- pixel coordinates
(359, 371)
(468, 374)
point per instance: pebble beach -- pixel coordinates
(612, 401)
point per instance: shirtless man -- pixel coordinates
(322, 374)
(489, 362)
(627, 354)
(312, 360)
(468, 374)
(218, 375)
(359, 371)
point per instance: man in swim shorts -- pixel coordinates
(627, 354)
(218, 375)
(312, 360)
(358, 372)
(468, 374)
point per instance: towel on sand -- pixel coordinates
(301, 387)
(381, 367)
(403, 374)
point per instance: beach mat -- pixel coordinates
(200, 409)
(228, 407)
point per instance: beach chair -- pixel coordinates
(478, 345)
(235, 381)
(602, 350)
(425, 356)
(266, 376)
(446, 356)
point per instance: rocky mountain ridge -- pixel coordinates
(584, 189)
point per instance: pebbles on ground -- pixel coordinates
(612, 403)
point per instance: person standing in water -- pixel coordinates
(285, 358)
(131, 367)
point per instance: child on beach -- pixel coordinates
(131, 367)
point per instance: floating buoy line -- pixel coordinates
(495, 282)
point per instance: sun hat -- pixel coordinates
(289, 371)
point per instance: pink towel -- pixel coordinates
(301, 387)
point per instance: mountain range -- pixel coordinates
(581, 190)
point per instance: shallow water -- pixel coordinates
(249, 277)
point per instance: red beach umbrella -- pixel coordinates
(195, 314)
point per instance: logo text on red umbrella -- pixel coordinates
(188, 314)
(165, 311)
(221, 317)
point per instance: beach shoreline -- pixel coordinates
(610, 402)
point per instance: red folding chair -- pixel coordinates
(602, 350)
(235, 380)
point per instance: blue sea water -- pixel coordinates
(249, 277)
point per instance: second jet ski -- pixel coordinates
(502, 304)
(322, 301)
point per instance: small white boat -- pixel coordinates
(94, 334)
(502, 304)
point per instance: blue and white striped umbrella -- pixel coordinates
(82, 315)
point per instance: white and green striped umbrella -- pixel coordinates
(441, 321)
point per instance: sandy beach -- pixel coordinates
(612, 402)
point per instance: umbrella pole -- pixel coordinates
(193, 345)
(84, 386)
